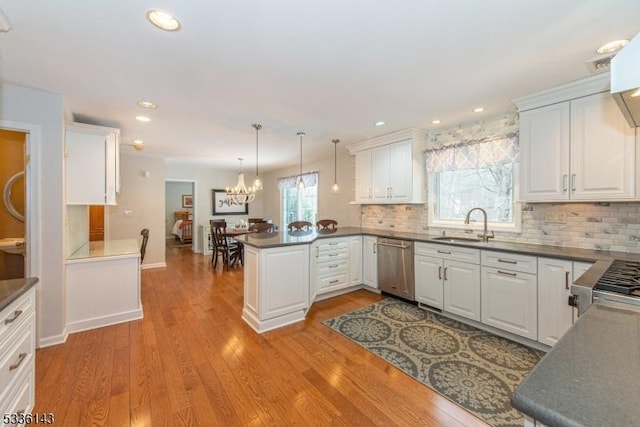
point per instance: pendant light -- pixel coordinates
(257, 183)
(335, 189)
(300, 181)
(240, 194)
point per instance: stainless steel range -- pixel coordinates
(616, 281)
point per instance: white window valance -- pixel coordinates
(310, 179)
(474, 154)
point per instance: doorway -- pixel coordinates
(13, 209)
(96, 223)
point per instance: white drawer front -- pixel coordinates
(331, 268)
(332, 244)
(15, 358)
(451, 252)
(14, 315)
(21, 401)
(509, 261)
(332, 255)
(334, 281)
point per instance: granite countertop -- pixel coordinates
(10, 290)
(285, 238)
(106, 249)
(591, 377)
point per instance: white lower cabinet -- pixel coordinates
(509, 293)
(355, 260)
(370, 261)
(448, 278)
(330, 260)
(17, 355)
(555, 315)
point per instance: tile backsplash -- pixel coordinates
(600, 226)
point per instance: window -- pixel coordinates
(479, 173)
(299, 204)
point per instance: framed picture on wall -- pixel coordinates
(187, 201)
(223, 205)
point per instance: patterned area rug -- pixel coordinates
(475, 369)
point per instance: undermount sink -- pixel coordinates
(451, 239)
(13, 245)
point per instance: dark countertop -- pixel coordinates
(285, 238)
(11, 290)
(591, 377)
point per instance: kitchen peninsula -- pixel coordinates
(103, 284)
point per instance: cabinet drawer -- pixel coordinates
(332, 244)
(508, 261)
(332, 255)
(16, 356)
(334, 281)
(21, 400)
(331, 268)
(451, 252)
(14, 315)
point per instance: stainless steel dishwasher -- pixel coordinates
(395, 267)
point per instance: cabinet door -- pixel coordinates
(363, 176)
(544, 152)
(355, 260)
(555, 315)
(462, 289)
(428, 281)
(380, 174)
(509, 301)
(85, 167)
(602, 150)
(400, 171)
(370, 261)
(314, 285)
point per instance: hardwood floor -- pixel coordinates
(193, 361)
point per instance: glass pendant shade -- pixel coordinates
(240, 194)
(300, 181)
(335, 188)
(257, 183)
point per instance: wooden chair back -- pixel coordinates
(327, 224)
(262, 227)
(219, 233)
(255, 220)
(143, 247)
(299, 226)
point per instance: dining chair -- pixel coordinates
(300, 226)
(327, 224)
(255, 220)
(143, 247)
(262, 227)
(223, 246)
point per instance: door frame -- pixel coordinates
(195, 238)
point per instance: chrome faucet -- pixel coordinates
(484, 235)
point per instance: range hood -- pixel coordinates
(625, 81)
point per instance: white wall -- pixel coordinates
(45, 112)
(334, 206)
(140, 204)
(206, 179)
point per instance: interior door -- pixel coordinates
(96, 223)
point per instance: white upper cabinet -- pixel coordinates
(92, 164)
(389, 168)
(576, 145)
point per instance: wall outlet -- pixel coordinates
(128, 213)
(555, 217)
(562, 217)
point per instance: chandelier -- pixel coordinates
(240, 194)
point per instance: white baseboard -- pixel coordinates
(155, 265)
(99, 322)
(53, 340)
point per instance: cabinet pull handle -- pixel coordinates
(317, 251)
(333, 244)
(16, 365)
(566, 280)
(333, 254)
(573, 182)
(333, 266)
(375, 247)
(334, 281)
(507, 273)
(16, 314)
(440, 273)
(507, 261)
(565, 179)
(445, 273)
(444, 252)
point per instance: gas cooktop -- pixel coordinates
(621, 277)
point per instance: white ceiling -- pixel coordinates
(330, 68)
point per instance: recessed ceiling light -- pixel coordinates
(435, 122)
(147, 104)
(635, 93)
(612, 46)
(143, 119)
(379, 123)
(478, 109)
(138, 141)
(163, 20)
